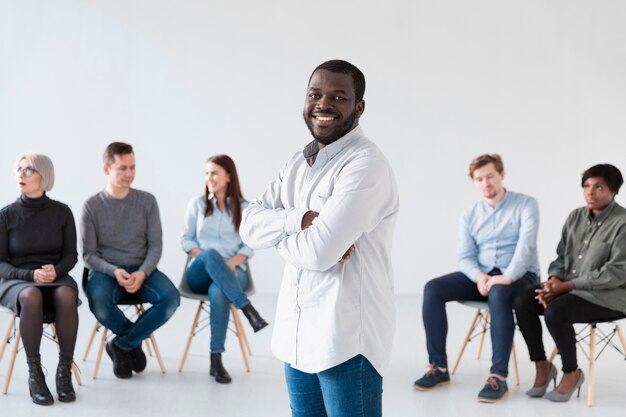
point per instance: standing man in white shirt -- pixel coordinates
(331, 215)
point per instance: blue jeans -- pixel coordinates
(104, 293)
(458, 287)
(209, 273)
(350, 389)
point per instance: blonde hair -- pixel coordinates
(43, 165)
(482, 160)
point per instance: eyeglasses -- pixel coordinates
(25, 171)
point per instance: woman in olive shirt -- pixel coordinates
(37, 252)
(587, 282)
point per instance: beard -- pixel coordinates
(330, 135)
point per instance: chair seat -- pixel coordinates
(483, 305)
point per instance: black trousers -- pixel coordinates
(560, 316)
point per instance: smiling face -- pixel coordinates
(488, 181)
(28, 180)
(597, 194)
(330, 108)
(216, 179)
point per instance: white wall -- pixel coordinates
(539, 81)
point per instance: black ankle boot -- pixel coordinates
(217, 369)
(253, 316)
(65, 390)
(39, 391)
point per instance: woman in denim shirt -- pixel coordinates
(211, 238)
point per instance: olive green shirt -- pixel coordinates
(592, 254)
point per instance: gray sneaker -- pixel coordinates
(493, 391)
(432, 379)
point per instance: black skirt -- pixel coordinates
(10, 290)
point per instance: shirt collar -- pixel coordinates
(603, 215)
(313, 153)
(500, 203)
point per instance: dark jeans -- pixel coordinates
(458, 287)
(104, 293)
(350, 389)
(208, 273)
(560, 316)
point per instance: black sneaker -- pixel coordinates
(493, 390)
(138, 359)
(122, 367)
(431, 379)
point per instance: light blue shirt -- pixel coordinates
(216, 231)
(504, 237)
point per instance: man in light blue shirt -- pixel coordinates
(497, 254)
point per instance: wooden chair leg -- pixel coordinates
(140, 310)
(96, 327)
(467, 339)
(239, 331)
(245, 340)
(617, 329)
(157, 353)
(7, 336)
(16, 346)
(192, 333)
(483, 333)
(103, 341)
(514, 360)
(592, 364)
(555, 351)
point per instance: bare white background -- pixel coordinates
(539, 81)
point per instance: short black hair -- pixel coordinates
(608, 172)
(344, 67)
(115, 148)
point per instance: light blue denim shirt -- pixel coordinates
(216, 231)
(504, 237)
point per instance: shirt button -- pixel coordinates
(573, 271)
(586, 241)
(580, 256)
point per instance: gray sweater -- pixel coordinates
(124, 232)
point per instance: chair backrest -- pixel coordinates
(185, 290)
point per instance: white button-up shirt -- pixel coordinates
(328, 311)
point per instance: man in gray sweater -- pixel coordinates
(122, 244)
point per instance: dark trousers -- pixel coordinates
(458, 287)
(560, 316)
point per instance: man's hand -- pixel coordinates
(195, 252)
(45, 275)
(236, 261)
(552, 288)
(122, 277)
(307, 219)
(346, 255)
(481, 283)
(498, 280)
(136, 280)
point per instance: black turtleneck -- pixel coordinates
(36, 232)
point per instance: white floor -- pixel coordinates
(262, 392)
